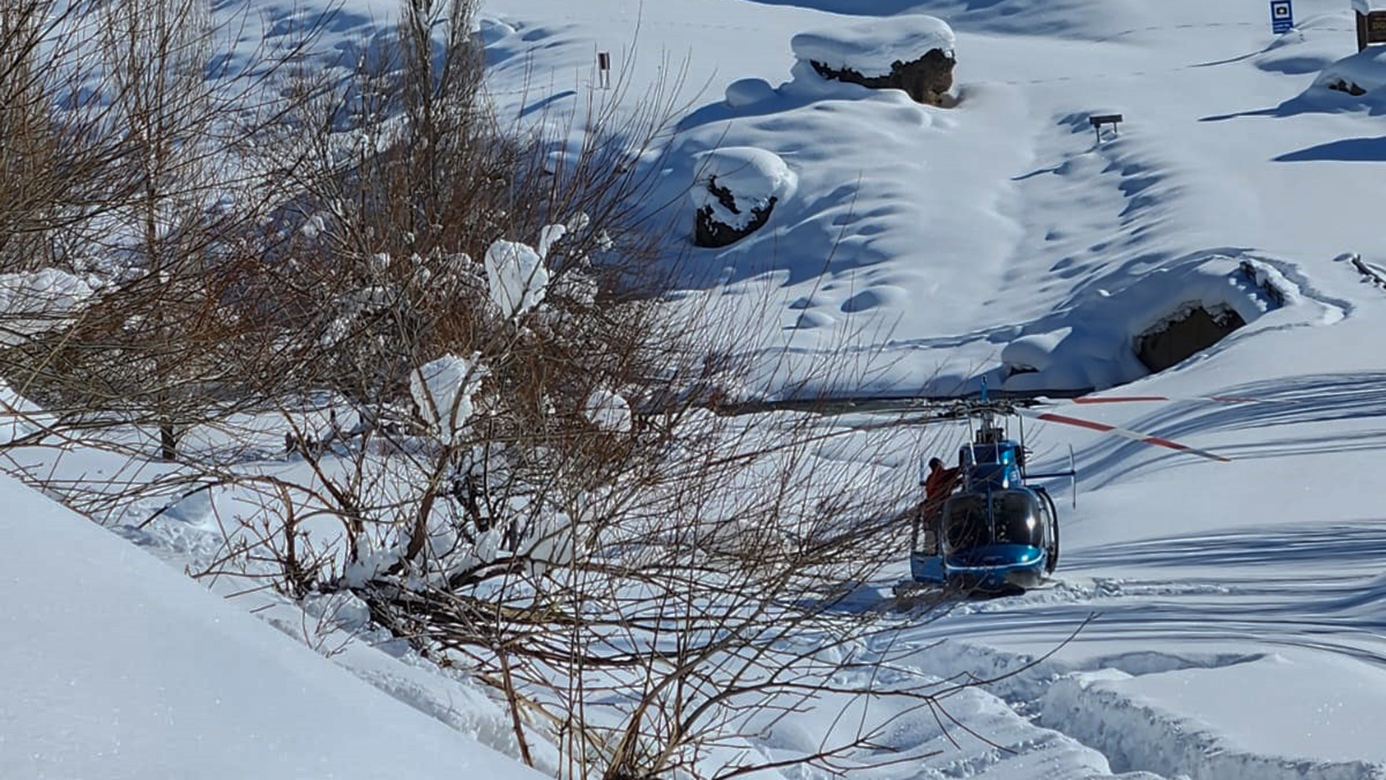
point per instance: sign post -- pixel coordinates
(1282, 16)
(604, 69)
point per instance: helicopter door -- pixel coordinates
(1050, 519)
(965, 522)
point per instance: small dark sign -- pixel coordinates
(1376, 27)
(604, 69)
(1098, 120)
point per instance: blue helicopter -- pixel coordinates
(1000, 533)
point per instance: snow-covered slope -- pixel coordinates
(117, 666)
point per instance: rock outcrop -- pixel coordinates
(926, 80)
(910, 52)
(734, 192)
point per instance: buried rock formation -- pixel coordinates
(1158, 320)
(735, 191)
(1179, 338)
(914, 53)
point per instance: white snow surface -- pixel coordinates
(871, 48)
(117, 666)
(442, 389)
(517, 277)
(608, 411)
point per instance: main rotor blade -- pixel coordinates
(1123, 399)
(1123, 432)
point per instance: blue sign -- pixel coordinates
(1282, 16)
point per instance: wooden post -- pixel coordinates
(1361, 31)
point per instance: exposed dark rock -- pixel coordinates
(1173, 342)
(1343, 85)
(709, 232)
(926, 80)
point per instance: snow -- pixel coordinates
(872, 48)
(117, 666)
(1239, 629)
(753, 177)
(1364, 71)
(516, 275)
(1367, 6)
(608, 411)
(1203, 731)
(443, 389)
(38, 302)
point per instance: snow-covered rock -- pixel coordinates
(871, 48)
(735, 190)
(1098, 343)
(1355, 75)
(912, 52)
(32, 303)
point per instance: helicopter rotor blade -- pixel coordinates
(1123, 399)
(1122, 432)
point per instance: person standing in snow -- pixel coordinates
(938, 486)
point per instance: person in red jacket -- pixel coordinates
(938, 486)
(940, 482)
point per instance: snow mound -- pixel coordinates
(443, 391)
(872, 48)
(748, 92)
(1356, 75)
(737, 182)
(117, 666)
(35, 302)
(1094, 345)
(516, 275)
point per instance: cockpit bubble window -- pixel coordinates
(1014, 513)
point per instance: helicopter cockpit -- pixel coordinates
(1015, 517)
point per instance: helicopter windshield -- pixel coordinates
(1015, 519)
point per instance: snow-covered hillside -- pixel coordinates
(1230, 618)
(118, 666)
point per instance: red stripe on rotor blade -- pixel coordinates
(1089, 424)
(1174, 445)
(1129, 434)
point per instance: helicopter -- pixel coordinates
(999, 533)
